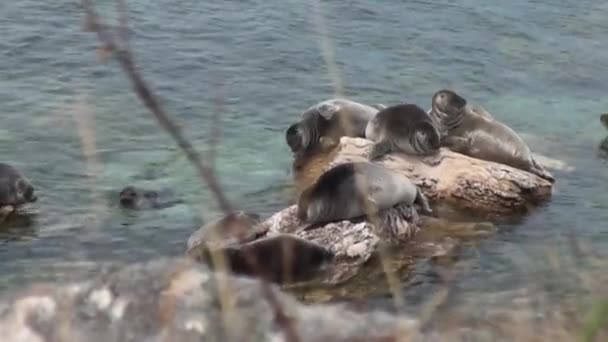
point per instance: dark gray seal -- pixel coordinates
(280, 258)
(604, 121)
(353, 190)
(323, 124)
(477, 134)
(404, 128)
(135, 198)
(15, 188)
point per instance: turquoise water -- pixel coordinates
(539, 66)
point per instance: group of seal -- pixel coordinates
(345, 191)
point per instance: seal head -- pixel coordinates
(447, 109)
(15, 188)
(604, 120)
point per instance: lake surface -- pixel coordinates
(539, 66)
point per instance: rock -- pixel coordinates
(327, 254)
(458, 180)
(352, 243)
(179, 300)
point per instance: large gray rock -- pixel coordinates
(179, 300)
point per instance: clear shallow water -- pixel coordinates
(539, 66)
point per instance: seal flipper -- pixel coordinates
(423, 202)
(327, 143)
(457, 144)
(5, 211)
(432, 160)
(379, 149)
(541, 172)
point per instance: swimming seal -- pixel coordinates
(15, 190)
(403, 128)
(324, 123)
(279, 258)
(352, 190)
(135, 198)
(604, 121)
(474, 132)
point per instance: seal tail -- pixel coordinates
(540, 171)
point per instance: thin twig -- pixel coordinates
(126, 60)
(206, 172)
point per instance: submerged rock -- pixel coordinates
(179, 300)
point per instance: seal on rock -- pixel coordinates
(248, 250)
(403, 128)
(354, 189)
(324, 123)
(281, 258)
(230, 229)
(477, 134)
(135, 198)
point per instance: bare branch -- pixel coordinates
(118, 45)
(126, 60)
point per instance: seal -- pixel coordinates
(249, 251)
(15, 190)
(323, 124)
(604, 120)
(234, 228)
(475, 133)
(135, 198)
(403, 128)
(357, 189)
(281, 258)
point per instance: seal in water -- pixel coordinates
(604, 121)
(134, 198)
(476, 133)
(324, 123)
(403, 128)
(279, 258)
(15, 190)
(347, 190)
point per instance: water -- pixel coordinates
(539, 66)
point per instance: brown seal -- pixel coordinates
(475, 133)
